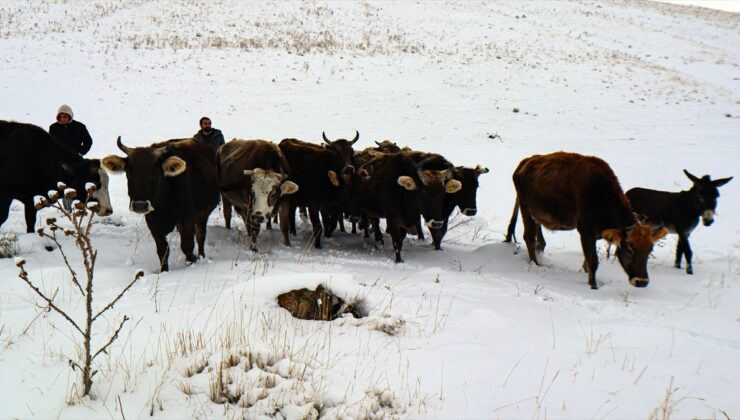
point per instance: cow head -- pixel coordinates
(387, 146)
(634, 245)
(147, 170)
(343, 149)
(267, 188)
(434, 179)
(466, 197)
(86, 172)
(706, 193)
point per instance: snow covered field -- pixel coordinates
(473, 331)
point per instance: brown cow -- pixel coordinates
(566, 191)
(253, 177)
(173, 183)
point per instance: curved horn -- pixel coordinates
(420, 173)
(325, 139)
(121, 146)
(378, 143)
(162, 151)
(357, 137)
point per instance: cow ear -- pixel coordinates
(659, 234)
(407, 182)
(249, 172)
(113, 164)
(173, 166)
(481, 169)
(288, 187)
(333, 178)
(613, 236)
(721, 182)
(453, 186)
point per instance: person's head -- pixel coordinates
(65, 114)
(205, 124)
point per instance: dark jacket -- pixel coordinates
(215, 139)
(74, 135)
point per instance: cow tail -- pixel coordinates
(512, 223)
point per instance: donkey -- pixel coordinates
(679, 212)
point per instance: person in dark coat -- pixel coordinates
(211, 136)
(71, 132)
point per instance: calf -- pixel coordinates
(253, 176)
(566, 191)
(679, 212)
(174, 184)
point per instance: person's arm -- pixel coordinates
(86, 140)
(220, 139)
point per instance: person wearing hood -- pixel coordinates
(71, 132)
(208, 135)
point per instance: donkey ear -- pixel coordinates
(691, 177)
(721, 182)
(613, 236)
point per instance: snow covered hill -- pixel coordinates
(473, 331)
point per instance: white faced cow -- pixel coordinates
(253, 177)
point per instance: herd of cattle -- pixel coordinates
(177, 184)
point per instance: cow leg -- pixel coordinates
(679, 253)
(159, 234)
(29, 211)
(591, 263)
(5, 202)
(340, 221)
(329, 220)
(268, 224)
(254, 230)
(291, 220)
(187, 243)
(313, 214)
(200, 236)
(377, 232)
(438, 234)
(530, 233)
(687, 252)
(397, 235)
(226, 205)
(540, 240)
(285, 211)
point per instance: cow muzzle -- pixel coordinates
(141, 207)
(470, 211)
(639, 281)
(435, 224)
(258, 217)
(707, 218)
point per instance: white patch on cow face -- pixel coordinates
(102, 196)
(264, 184)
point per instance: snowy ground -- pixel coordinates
(473, 331)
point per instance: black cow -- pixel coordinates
(566, 191)
(402, 187)
(679, 212)
(465, 199)
(32, 162)
(174, 184)
(253, 176)
(317, 169)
